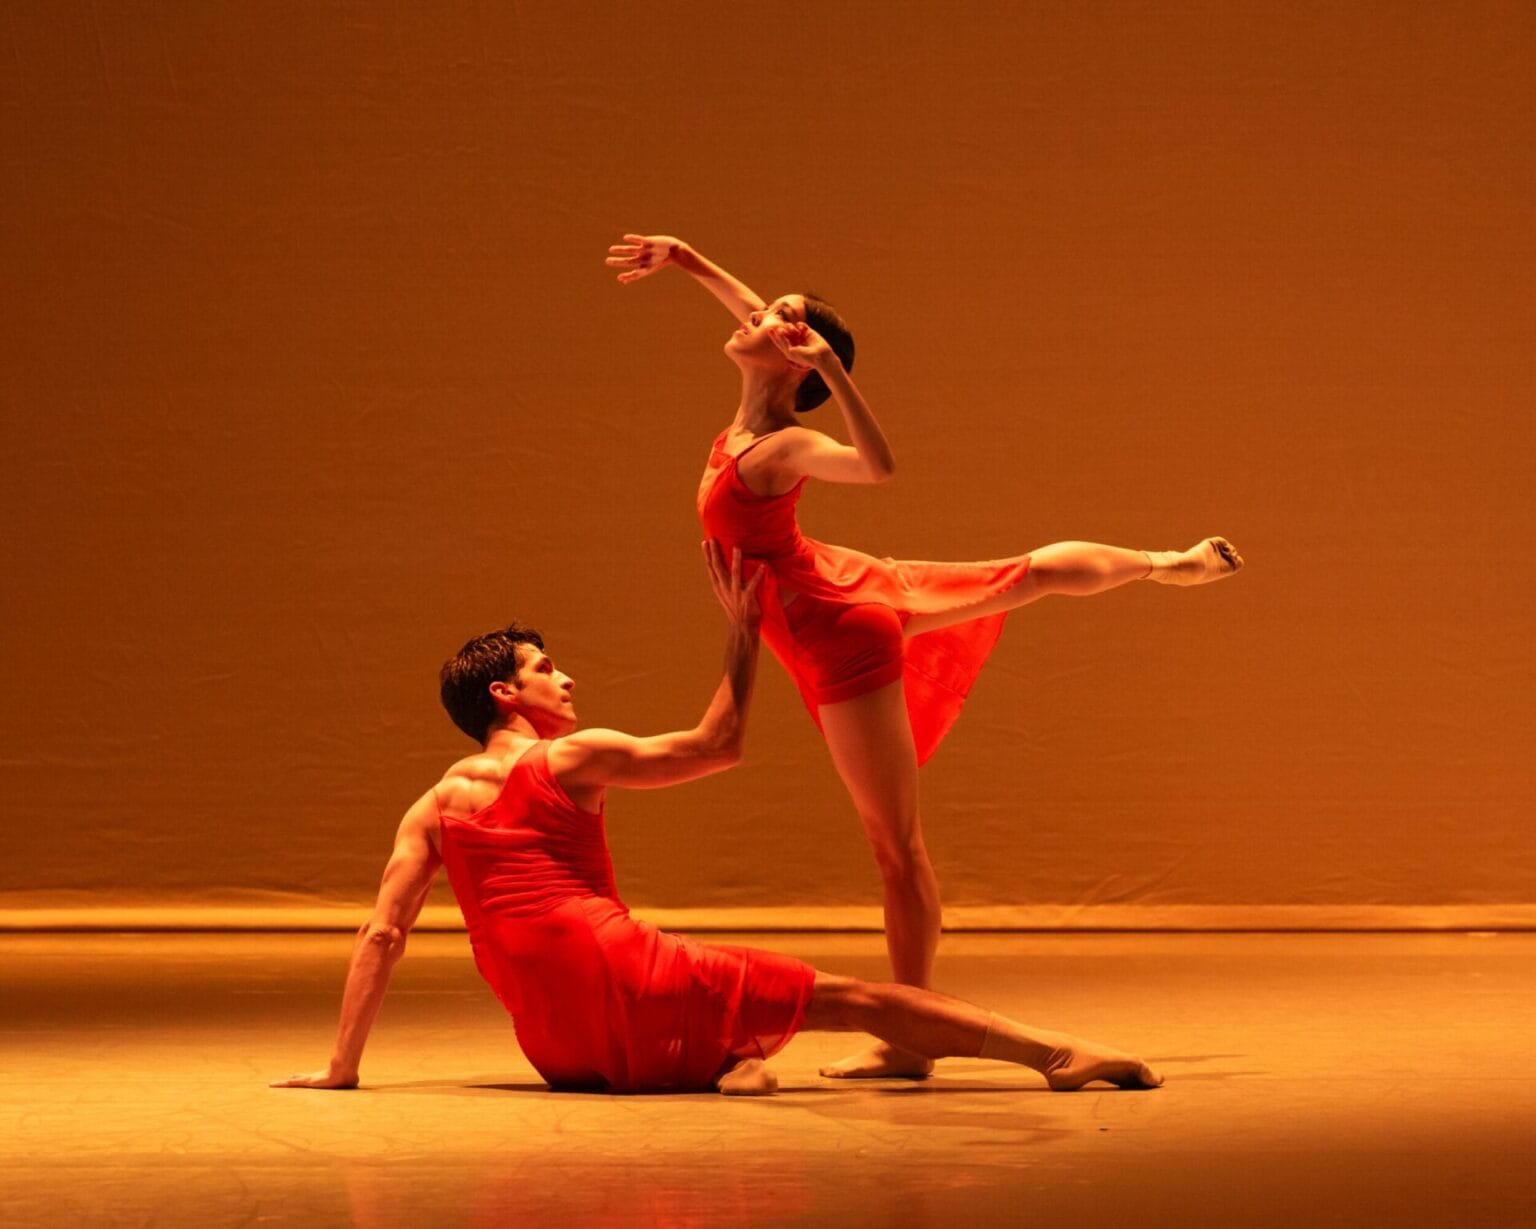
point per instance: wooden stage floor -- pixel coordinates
(1319, 1079)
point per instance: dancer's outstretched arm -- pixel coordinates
(641, 255)
(592, 760)
(380, 944)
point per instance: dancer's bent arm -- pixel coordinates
(800, 452)
(379, 946)
(641, 255)
(594, 759)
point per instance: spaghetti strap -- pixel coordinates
(736, 456)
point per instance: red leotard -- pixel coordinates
(600, 1000)
(938, 667)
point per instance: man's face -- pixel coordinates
(544, 694)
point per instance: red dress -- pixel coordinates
(598, 999)
(938, 666)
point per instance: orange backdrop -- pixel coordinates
(312, 370)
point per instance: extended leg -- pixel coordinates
(870, 739)
(926, 1022)
(1082, 569)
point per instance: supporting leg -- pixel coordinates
(870, 739)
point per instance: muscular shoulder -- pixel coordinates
(471, 784)
(576, 749)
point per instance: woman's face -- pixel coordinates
(753, 341)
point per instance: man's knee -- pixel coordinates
(838, 1004)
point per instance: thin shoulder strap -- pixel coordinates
(765, 435)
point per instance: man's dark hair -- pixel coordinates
(465, 679)
(823, 317)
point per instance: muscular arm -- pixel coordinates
(587, 762)
(380, 944)
(641, 255)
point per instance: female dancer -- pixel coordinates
(882, 651)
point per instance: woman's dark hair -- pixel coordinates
(465, 680)
(823, 317)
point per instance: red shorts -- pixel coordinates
(844, 650)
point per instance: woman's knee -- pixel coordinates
(901, 856)
(1071, 568)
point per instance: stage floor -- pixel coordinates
(1312, 1080)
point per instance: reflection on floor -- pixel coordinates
(1312, 1080)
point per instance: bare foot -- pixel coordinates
(880, 1062)
(1213, 559)
(748, 1078)
(1076, 1062)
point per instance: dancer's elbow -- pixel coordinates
(725, 756)
(721, 752)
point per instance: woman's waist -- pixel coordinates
(754, 543)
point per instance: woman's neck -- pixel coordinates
(767, 404)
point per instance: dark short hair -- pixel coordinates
(823, 317)
(464, 683)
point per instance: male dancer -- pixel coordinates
(600, 1000)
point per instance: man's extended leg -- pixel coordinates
(925, 1022)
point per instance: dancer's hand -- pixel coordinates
(739, 600)
(328, 1078)
(802, 345)
(641, 255)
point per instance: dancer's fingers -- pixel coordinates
(787, 342)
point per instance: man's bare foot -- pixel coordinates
(1075, 1062)
(748, 1078)
(1213, 559)
(880, 1062)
